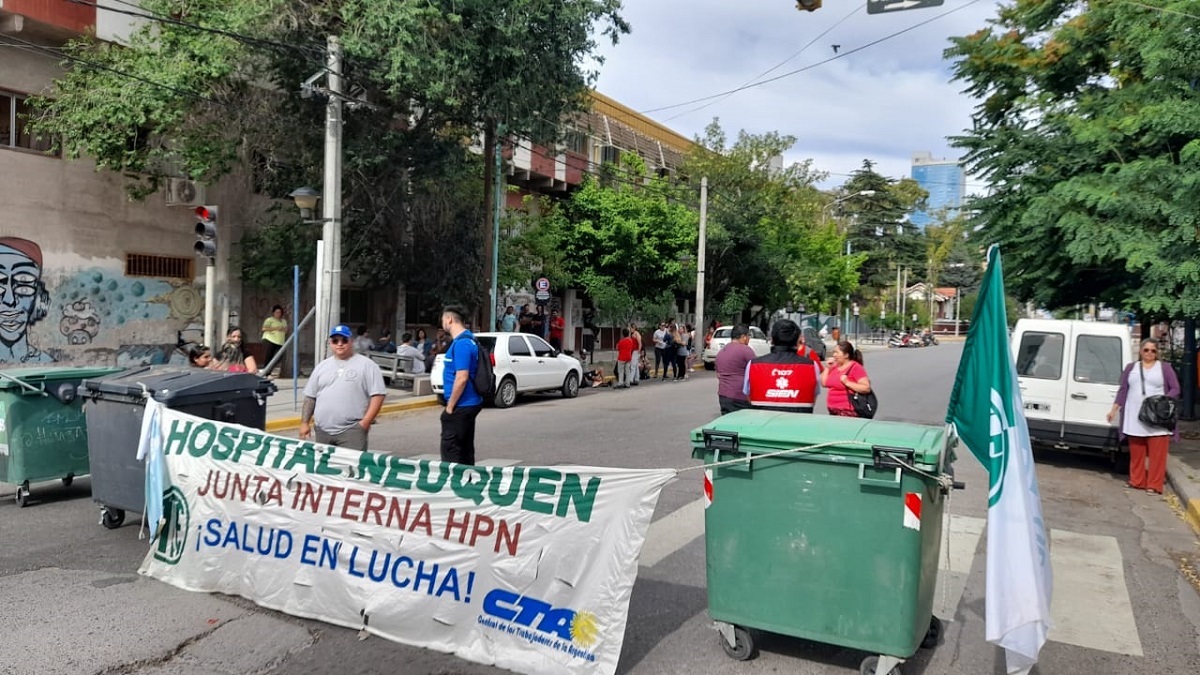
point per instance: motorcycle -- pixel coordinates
(928, 340)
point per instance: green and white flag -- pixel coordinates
(987, 412)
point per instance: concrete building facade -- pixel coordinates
(88, 276)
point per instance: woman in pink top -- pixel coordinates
(845, 374)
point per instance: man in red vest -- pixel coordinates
(783, 380)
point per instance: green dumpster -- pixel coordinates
(42, 431)
(837, 544)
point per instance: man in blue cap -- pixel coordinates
(343, 395)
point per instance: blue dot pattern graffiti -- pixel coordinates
(112, 300)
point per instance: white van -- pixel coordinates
(1069, 372)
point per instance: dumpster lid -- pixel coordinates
(34, 375)
(169, 382)
(761, 431)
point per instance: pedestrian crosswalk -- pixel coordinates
(1090, 606)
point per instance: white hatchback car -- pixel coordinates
(758, 342)
(523, 364)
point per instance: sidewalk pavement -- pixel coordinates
(283, 408)
(1183, 470)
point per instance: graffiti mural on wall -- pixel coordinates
(24, 300)
(89, 316)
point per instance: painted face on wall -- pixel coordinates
(23, 296)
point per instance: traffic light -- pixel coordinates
(206, 231)
(808, 5)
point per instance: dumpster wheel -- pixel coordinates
(743, 647)
(934, 635)
(22, 495)
(871, 663)
(112, 518)
(68, 479)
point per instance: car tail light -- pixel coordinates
(492, 356)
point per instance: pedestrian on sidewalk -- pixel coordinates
(558, 326)
(624, 359)
(233, 357)
(731, 370)
(682, 352)
(636, 360)
(407, 350)
(508, 322)
(463, 403)
(200, 356)
(363, 343)
(274, 334)
(660, 353)
(1154, 378)
(343, 395)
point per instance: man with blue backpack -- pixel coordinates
(463, 375)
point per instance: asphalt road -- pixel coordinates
(1124, 600)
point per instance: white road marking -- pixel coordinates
(672, 532)
(1090, 606)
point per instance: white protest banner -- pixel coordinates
(526, 568)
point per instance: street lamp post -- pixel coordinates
(306, 200)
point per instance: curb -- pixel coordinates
(1187, 489)
(290, 423)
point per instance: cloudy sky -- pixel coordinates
(881, 103)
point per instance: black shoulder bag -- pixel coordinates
(1157, 411)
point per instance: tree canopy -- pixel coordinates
(214, 85)
(1088, 130)
(623, 239)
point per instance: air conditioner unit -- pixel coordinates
(184, 192)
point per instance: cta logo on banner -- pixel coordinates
(526, 568)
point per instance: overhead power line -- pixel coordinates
(775, 67)
(840, 55)
(56, 52)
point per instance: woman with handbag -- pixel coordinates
(844, 378)
(1138, 391)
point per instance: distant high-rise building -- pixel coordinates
(946, 183)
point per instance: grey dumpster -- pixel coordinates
(114, 406)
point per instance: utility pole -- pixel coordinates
(329, 300)
(700, 329)
(497, 209)
(899, 310)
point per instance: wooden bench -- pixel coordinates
(397, 369)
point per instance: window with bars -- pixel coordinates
(14, 125)
(161, 266)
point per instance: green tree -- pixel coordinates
(625, 243)
(765, 237)
(424, 78)
(879, 228)
(1087, 129)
